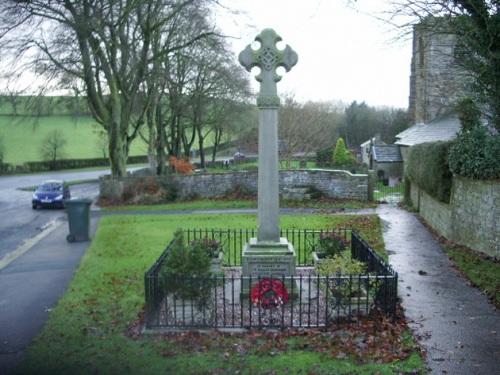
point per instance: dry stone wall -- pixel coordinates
(332, 183)
(476, 214)
(472, 218)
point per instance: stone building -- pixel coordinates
(436, 80)
(436, 83)
(387, 163)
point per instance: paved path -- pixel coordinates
(457, 325)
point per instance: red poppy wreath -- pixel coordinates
(269, 293)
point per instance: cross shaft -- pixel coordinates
(268, 57)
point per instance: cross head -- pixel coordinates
(268, 57)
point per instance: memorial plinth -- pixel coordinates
(268, 255)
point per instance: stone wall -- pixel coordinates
(333, 183)
(437, 214)
(471, 219)
(476, 216)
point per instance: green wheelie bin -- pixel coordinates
(78, 218)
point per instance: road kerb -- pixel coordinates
(29, 243)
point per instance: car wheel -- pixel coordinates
(34, 206)
(70, 238)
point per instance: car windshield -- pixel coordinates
(50, 187)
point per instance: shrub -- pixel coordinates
(468, 113)
(239, 192)
(476, 154)
(324, 157)
(212, 247)
(149, 190)
(182, 166)
(186, 270)
(341, 263)
(428, 167)
(345, 288)
(331, 244)
(171, 191)
(342, 156)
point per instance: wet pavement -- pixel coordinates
(31, 286)
(455, 323)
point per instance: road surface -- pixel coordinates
(18, 221)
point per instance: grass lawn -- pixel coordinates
(482, 272)
(88, 331)
(214, 204)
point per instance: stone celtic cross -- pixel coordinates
(268, 57)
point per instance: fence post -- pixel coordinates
(371, 184)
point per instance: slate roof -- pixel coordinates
(442, 129)
(386, 154)
(374, 140)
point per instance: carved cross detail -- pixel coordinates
(268, 58)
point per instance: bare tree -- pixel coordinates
(52, 148)
(218, 85)
(306, 128)
(107, 46)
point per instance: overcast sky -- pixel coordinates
(344, 53)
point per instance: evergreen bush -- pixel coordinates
(476, 154)
(342, 157)
(331, 244)
(186, 271)
(427, 166)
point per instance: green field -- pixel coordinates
(23, 136)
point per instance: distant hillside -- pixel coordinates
(23, 136)
(43, 105)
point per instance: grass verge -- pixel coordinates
(70, 183)
(87, 332)
(215, 204)
(482, 272)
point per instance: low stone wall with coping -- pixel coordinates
(332, 183)
(472, 218)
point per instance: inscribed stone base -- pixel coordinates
(267, 259)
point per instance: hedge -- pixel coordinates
(427, 166)
(43, 166)
(476, 154)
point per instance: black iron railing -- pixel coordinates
(313, 301)
(304, 241)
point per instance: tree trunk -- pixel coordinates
(217, 139)
(118, 156)
(201, 148)
(161, 167)
(152, 139)
(118, 148)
